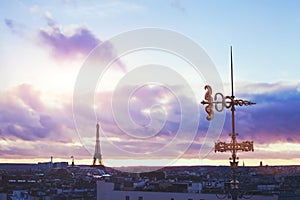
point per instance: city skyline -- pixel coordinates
(45, 44)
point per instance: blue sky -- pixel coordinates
(264, 33)
(39, 69)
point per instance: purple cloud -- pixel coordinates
(70, 42)
(23, 115)
(275, 117)
(64, 46)
(26, 118)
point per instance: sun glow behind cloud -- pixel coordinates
(272, 153)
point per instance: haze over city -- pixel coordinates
(45, 44)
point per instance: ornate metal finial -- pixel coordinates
(218, 103)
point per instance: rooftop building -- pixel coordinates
(106, 191)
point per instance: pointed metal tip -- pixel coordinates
(231, 69)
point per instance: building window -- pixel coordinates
(127, 198)
(140, 198)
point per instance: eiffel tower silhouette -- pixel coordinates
(97, 154)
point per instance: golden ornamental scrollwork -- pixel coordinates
(209, 102)
(219, 102)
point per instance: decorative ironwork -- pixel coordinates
(218, 103)
(243, 146)
(226, 102)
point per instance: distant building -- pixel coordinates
(44, 165)
(49, 165)
(60, 164)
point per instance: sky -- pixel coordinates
(45, 45)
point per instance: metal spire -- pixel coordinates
(233, 146)
(231, 66)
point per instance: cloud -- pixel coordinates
(69, 43)
(20, 149)
(32, 127)
(154, 117)
(15, 27)
(245, 88)
(27, 118)
(73, 41)
(275, 117)
(146, 105)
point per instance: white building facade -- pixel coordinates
(105, 191)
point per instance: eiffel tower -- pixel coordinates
(97, 154)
